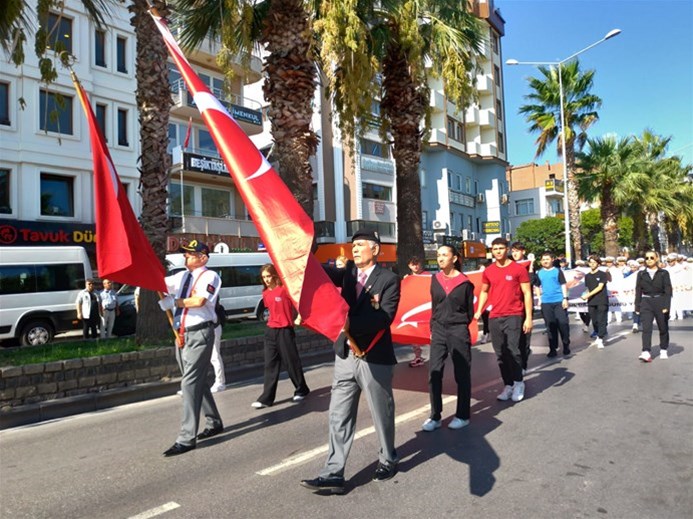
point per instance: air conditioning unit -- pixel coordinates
(480, 198)
(504, 199)
(472, 236)
(508, 236)
(438, 225)
(466, 234)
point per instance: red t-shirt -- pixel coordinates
(505, 294)
(281, 311)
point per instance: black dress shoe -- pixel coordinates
(178, 448)
(551, 353)
(566, 351)
(333, 485)
(210, 431)
(385, 472)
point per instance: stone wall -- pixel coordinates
(34, 383)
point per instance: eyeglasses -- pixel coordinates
(650, 257)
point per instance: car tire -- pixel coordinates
(262, 313)
(36, 333)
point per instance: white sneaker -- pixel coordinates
(645, 356)
(505, 394)
(179, 392)
(217, 387)
(430, 425)
(484, 339)
(585, 329)
(457, 423)
(257, 405)
(518, 391)
(599, 343)
(663, 354)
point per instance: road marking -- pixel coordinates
(156, 511)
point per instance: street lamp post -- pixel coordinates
(566, 206)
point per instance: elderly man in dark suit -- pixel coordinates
(365, 362)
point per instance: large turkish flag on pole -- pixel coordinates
(123, 253)
(285, 228)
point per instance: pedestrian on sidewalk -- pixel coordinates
(653, 292)
(280, 340)
(550, 286)
(108, 308)
(505, 285)
(88, 310)
(597, 298)
(452, 303)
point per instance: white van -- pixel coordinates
(38, 290)
(241, 287)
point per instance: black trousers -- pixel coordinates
(453, 340)
(599, 315)
(280, 344)
(90, 324)
(525, 349)
(651, 309)
(505, 337)
(556, 320)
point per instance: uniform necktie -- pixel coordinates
(183, 294)
(361, 283)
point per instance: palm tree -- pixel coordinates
(580, 112)
(284, 29)
(414, 40)
(605, 172)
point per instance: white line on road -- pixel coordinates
(156, 511)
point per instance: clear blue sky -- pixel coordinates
(644, 76)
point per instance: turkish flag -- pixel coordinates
(123, 253)
(284, 227)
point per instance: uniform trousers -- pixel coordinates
(556, 320)
(505, 337)
(651, 309)
(216, 359)
(193, 360)
(599, 315)
(280, 344)
(351, 376)
(453, 340)
(107, 322)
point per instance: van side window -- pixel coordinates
(18, 279)
(239, 276)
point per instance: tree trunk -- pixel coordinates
(639, 235)
(291, 80)
(653, 225)
(573, 202)
(153, 103)
(404, 104)
(609, 214)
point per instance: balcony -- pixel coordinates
(377, 164)
(246, 112)
(553, 187)
(438, 103)
(473, 148)
(208, 225)
(487, 118)
(484, 84)
(324, 232)
(471, 115)
(385, 229)
(489, 150)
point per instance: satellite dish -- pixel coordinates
(221, 248)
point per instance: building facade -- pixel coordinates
(536, 191)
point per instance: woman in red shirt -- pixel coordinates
(280, 340)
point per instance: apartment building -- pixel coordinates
(46, 184)
(536, 191)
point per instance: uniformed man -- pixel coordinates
(192, 296)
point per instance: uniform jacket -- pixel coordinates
(373, 311)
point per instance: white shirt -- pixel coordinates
(205, 283)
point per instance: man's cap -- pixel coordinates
(366, 233)
(672, 256)
(580, 262)
(621, 258)
(640, 260)
(609, 259)
(195, 246)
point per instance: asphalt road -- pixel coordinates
(599, 434)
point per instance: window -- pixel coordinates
(27, 279)
(58, 32)
(99, 48)
(215, 203)
(377, 192)
(468, 185)
(496, 75)
(175, 198)
(205, 141)
(55, 112)
(424, 219)
(494, 42)
(123, 127)
(101, 119)
(458, 182)
(376, 149)
(499, 109)
(121, 54)
(524, 207)
(5, 207)
(57, 195)
(470, 221)
(455, 130)
(5, 104)
(501, 143)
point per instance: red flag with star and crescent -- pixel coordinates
(284, 227)
(123, 253)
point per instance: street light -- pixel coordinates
(566, 207)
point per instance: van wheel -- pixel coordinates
(262, 314)
(36, 333)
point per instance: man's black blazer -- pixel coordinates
(372, 311)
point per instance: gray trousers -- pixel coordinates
(351, 376)
(193, 361)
